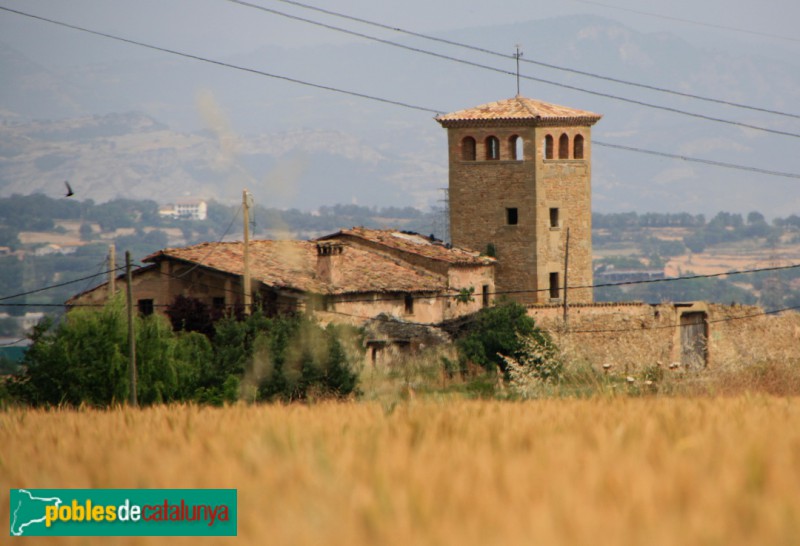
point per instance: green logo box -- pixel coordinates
(123, 512)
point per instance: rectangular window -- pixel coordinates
(409, 304)
(218, 303)
(485, 296)
(554, 217)
(554, 291)
(145, 307)
(512, 216)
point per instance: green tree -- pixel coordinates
(501, 331)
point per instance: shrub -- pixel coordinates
(500, 331)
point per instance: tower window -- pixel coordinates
(553, 217)
(548, 147)
(468, 149)
(554, 291)
(492, 148)
(512, 216)
(563, 147)
(516, 147)
(577, 149)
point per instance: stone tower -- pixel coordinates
(520, 177)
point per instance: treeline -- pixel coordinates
(84, 360)
(39, 213)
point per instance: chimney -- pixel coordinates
(329, 258)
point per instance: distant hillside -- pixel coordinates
(209, 131)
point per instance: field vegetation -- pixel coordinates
(443, 470)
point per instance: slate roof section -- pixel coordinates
(293, 265)
(414, 243)
(519, 109)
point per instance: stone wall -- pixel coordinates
(633, 336)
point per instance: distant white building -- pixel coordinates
(189, 209)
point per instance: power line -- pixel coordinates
(530, 61)
(59, 285)
(512, 73)
(697, 160)
(669, 326)
(214, 248)
(690, 21)
(221, 63)
(388, 101)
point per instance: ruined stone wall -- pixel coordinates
(633, 336)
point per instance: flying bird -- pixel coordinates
(70, 193)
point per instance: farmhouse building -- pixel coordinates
(350, 276)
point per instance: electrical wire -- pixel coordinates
(221, 63)
(214, 248)
(511, 73)
(59, 285)
(388, 101)
(690, 21)
(529, 61)
(697, 160)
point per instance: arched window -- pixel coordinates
(516, 147)
(563, 147)
(577, 148)
(492, 147)
(548, 147)
(468, 149)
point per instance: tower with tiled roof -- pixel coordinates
(520, 179)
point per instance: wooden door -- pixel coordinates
(694, 340)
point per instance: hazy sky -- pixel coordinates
(221, 27)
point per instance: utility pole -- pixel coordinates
(112, 270)
(566, 281)
(131, 332)
(247, 296)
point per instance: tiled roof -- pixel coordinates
(293, 265)
(414, 243)
(519, 109)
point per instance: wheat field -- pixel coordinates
(615, 470)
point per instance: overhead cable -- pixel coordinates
(523, 76)
(530, 61)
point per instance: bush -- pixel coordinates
(84, 360)
(503, 331)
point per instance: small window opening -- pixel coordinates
(548, 147)
(516, 147)
(563, 147)
(554, 291)
(468, 149)
(409, 304)
(577, 150)
(512, 216)
(145, 307)
(492, 148)
(218, 303)
(485, 295)
(554, 218)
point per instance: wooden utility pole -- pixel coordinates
(131, 332)
(112, 270)
(247, 296)
(566, 280)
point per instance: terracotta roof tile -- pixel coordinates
(415, 243)
(293, 265)
(519, 109)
